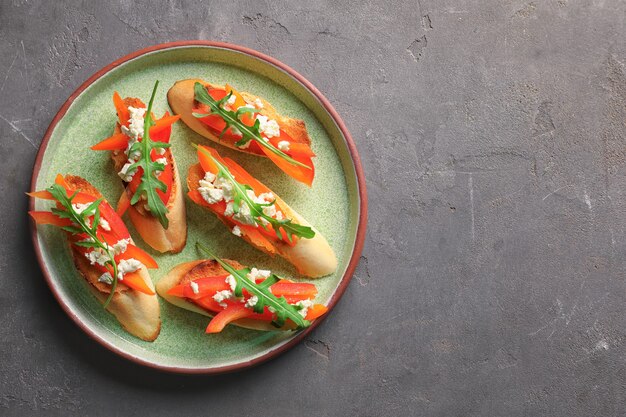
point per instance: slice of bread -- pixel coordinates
(181, 100)
(188, 271)
(138, 313)
(313, 258)
(173, 238)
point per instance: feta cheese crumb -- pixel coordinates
(237, 231)
(106, 278)
(194, 287)
(258, 103)
(124, 174)
(104, 225)
(160, 151)
(251, 302)
(161, 161)
(283, 145)
(135, 123)
(235, 132)
(121, 246)
(230, 280)
(268, 127)
(304, 306)
(220, 296)
(255, 274)
(79, 207)
(97, 257)
(127, 266)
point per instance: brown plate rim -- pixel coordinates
(361, 227)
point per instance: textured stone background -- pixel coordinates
(494, 143)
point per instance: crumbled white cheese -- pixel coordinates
(194, 287)
(209, 176)
(104, 225)
(235, 132)
(230, 102)
(126, 266)
(258, 103)
(269, 127)
(161, 161)
(232, 282)
(79, 207)
(220, 296)
(255, 274)
(135, 123)
(237, 231)
(211, 195)
(124, 174)
(244, 215)
(304, 306)
(106, 278)
(160, 151)
(97, 256)
(121, 246)
(251, 302)
(283, 145)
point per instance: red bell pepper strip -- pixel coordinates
(296, 290)
(226, 316)
(207, 286)
(46, 217)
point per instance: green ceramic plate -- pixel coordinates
(336, 204)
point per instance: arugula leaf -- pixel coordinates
(149, 181)
(283, 310)
(81, 220)
(256, 209)
(232, 119)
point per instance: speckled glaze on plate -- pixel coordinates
(336, 204)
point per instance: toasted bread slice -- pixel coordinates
(181, 100)
(138, 313)
(173, 238)
(185, 272)
(313, 258)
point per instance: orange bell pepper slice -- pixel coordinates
(123, 204)
(117, 142)
(161, 130)
(316, 311)
(302, 174)
(136, 282)
(133, 251)
(122, 111)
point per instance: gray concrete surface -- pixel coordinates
(493, 138)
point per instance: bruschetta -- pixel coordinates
(246, 297)
(142, 158)
(244, 122)
(256, 214)
(104, 253)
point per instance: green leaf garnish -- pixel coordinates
(282, 309)
(256, 209)
(232, 119)
(81, 220)
(149, 181)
